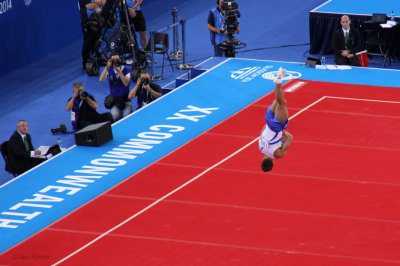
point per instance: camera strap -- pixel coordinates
(73, 117)
(149, 97)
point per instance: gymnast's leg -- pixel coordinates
(278, 106)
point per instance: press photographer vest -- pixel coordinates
(117, 88)
(145, 97)
(82, 110)
(219, 21)
(75, 113)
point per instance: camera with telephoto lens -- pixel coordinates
(61, 129)
(83, 94)
(145, 81)
(116, 62)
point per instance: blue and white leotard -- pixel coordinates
(271, 137)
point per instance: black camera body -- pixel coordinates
(231, 16)
(228, 5)
(61, 129)
(95, 22)
(116, 62)
(83, 94)
(231, 23)
(145, 81)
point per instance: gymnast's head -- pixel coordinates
(267, 164)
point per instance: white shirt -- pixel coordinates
(267, 137)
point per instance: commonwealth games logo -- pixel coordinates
(27, 2)
(289, 75)
(249, 73)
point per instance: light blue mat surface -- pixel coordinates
(360, 7)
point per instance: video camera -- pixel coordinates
(231, 15)
(231, 24)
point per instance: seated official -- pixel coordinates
(83, 108)
(20, 149)
(144, 90)
(346, 43)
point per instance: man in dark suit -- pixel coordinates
(20, 149)
(346, 43)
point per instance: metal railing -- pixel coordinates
(177, 21)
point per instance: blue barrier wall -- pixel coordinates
(31, 29)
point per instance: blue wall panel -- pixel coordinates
(31, 29)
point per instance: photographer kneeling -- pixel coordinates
(83, 108)
(145, 90)
(119, 78)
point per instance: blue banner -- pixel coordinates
(31, 29)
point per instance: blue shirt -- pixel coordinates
(131, 3)
(117, 88)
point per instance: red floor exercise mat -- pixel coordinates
(333, 200)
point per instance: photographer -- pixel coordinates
(216, 26)
(83, 108)
(145, 90)
(119, 78)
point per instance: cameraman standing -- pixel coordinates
(135, 11)
(145, 90)
(119, 78)
(216, 23)
(90, 36)
(83, 108)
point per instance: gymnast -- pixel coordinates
(274, 140)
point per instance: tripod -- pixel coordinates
(230, 45)
(103, 22)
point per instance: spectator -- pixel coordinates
(144, 90)
(83, 108)
(346, 43)
(135, 11)
(216, 22)
(119, 78)
(20, 149)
